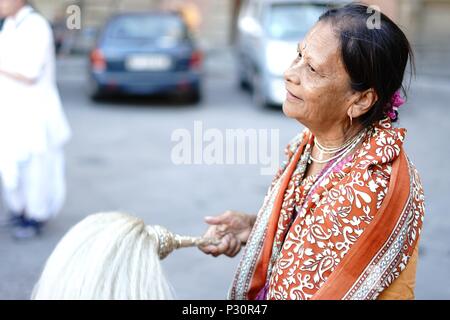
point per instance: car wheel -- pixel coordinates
(194, 96)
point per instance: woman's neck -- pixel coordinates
(336, 136)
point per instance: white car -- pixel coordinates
(267, 38)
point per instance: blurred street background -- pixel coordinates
(120, 154)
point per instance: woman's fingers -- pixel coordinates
(223, 246)
(234, 247)
(209, 249)
(213, 232)
(238, 248)
(231, 228)
(216, 220)
(229, 245)
(222, 220)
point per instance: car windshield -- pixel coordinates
(292, 21)
(146, 27)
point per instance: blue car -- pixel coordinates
(144, 54)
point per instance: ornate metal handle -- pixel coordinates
(169, 241)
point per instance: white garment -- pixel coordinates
(32, 122)
(41, 187)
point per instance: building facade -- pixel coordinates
(426, 22)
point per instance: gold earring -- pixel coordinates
(351, 120)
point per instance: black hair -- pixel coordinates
(375, 56)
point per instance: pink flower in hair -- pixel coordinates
(396, 102)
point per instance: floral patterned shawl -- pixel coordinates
(347, 234)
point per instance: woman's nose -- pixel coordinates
(291, 75)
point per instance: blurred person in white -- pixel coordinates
(106, 256)
(33, 127)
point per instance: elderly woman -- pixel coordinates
(342, 217)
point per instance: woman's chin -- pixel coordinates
(292, 111)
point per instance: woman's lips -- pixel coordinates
(292, 98)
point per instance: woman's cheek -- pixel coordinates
(311, 84)
(314, 95)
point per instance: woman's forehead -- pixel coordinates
(321, 44)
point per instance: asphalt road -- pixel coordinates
(120, 159)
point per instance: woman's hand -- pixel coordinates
(232, 228)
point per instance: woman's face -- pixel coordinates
(319, 92)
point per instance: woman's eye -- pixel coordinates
(311, 69)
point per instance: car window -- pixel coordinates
(146, 27)
(291, 21)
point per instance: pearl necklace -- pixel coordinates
(339, 150)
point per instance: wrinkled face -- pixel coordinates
(319, 91)
(10, 7)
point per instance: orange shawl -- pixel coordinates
(349, 239)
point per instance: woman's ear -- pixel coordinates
(363, 103)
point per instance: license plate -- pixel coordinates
(154, 62)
